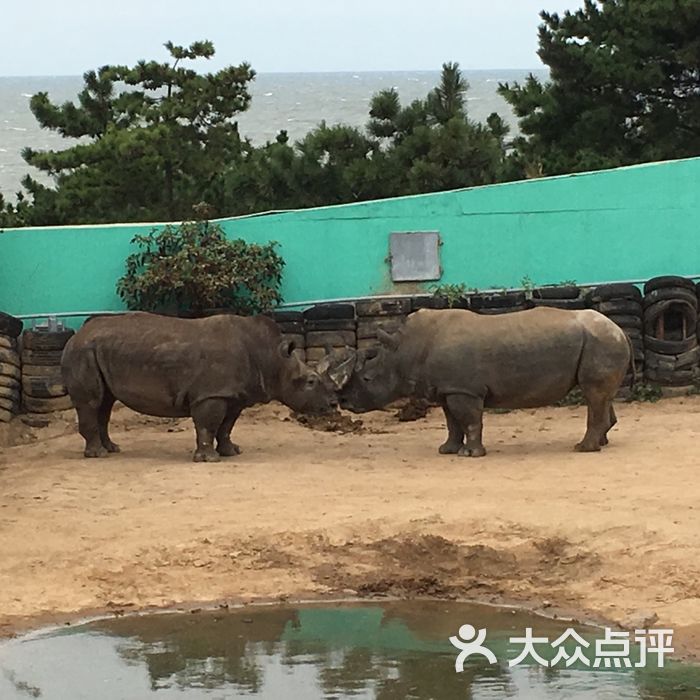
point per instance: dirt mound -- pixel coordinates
(413, 409)
(330, 423)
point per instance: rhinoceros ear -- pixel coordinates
(387, 339)
(286, 348)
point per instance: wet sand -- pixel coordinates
(611, 536)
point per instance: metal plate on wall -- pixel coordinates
(415, 256)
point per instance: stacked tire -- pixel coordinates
(499, 303)
(43, 391)
(328, 327)
(436, 302)
(672, 355)
(10, 367)
(565, 296)
(291, 325)
(388, 315)
(622, 303)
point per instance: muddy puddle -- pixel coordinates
(368, 651)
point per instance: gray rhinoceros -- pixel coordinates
(210, 369)
(468, 362)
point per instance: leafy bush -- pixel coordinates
(193, 266)
(573, 398)
(644, 391)
(452, 293)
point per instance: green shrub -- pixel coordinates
(192, 266)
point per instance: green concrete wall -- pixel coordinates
(628, 223)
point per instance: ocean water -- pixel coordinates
(296, 102)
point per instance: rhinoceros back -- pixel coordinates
(522, 359)
(161, 365)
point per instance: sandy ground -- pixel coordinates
(613, 536)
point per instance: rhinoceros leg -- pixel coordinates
(103, 415)
(208, 415)
(468, 412)
(612, 420)
(598, 420)
(224, 446)
(87, 391)
(89, 428)
(455, 434)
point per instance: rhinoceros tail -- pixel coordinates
(81, 373)
(633, 364)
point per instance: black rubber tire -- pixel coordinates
(496, 312)
(681, 377)
(608, 292)
(42, 357)
(565, 291)
(569, 304)
(10, 370)
(337, 339)
(44, 340)
(627, 322)
(431, 302)
(297, 338)
(620, 306)
(635, 335)
(43, 387)
(323, 312)
(383, 307)
(653, 312)
(458, 303)
(34, 405)
(286, 316)
(42, 371)
(9, 356)
(367, 328)
(9, 393)
(508, 300)
(331, 325)
(669, 347)
(36, 420)
(686, 360)
(206, 313)
(665, 281)
(9, 382)
(10, 326)
(11, 405)
(8, 343)
(314, 355)
(676, 294)
(295, 327)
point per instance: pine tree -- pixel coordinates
(152, 139)
(624, 87)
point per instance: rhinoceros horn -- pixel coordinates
(338, 366)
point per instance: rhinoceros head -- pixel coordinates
(300, 387)
(367, 379)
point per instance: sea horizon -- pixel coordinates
(295, 102)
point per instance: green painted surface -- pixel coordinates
(628, 223)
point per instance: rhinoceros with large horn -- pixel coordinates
(467, 362)
(210, 369)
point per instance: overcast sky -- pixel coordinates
(67, 37)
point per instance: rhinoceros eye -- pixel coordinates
(366, 378)
(311, 382)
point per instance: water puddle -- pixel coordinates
(387, 651)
